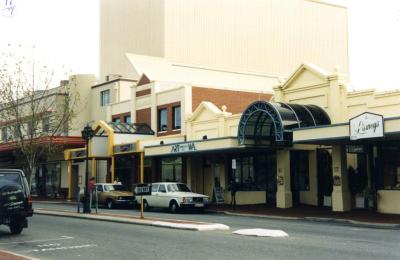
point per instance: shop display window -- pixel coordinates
(299, 168)
(390, 167)
(255, 173)
(171, 169)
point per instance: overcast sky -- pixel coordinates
(56, 26)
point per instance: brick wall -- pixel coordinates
(236, 101)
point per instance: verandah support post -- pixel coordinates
(341, 199)
(284, 193)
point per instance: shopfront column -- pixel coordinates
(341, 199)
(69, 173)
(284, 193)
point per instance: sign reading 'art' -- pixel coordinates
(366, 125)
(185, 147)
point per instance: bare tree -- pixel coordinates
(34, 115)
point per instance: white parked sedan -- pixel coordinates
(173, 195)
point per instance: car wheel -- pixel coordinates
(109, 204)
(16, 227)
(146, 206)
(173, 207)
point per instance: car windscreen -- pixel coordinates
(114, 188)
(178, 187)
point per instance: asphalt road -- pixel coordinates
(66, 238)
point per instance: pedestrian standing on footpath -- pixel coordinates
(92, 188)
(233, 188)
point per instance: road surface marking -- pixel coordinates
(41, 240)
(48, 245)
(60, 248)
(261, 232)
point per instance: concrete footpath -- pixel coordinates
(362, 218)
(129, 219)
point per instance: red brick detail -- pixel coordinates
(143, 116)
(143, 80)
(143, 92)
(170, 111)
(235, 101)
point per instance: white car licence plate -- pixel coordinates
(198, 205)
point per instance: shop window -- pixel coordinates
(162, 120)
(244, 172)
(171, 169)
(300, 170)
(176, 113)
(390, 167)
(105, 98)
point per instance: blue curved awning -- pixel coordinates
(267, 123)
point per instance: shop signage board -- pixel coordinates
(185, 147)
(143, 189)
(125, 148)
(366, 125)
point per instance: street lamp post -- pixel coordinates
(87, 134)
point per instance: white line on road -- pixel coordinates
(48, 245)
(42, 240)
(60, 248)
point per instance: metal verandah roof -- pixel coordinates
(126, 128)
(266, 123)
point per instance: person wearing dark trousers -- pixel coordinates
(233, 188)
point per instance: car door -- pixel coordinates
(100, 193)
(163, 197)
(152, 199)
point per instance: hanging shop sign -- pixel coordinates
(366, 125)
(78, 153)
(185, 147)
(125, 148)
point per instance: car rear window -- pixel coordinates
(10, 179)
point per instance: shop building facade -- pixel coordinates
(319, 165)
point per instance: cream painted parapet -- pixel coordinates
(209, 120)
(341, 197)
(337, 105)
(284, 193)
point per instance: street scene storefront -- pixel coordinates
(301, 155)
(294, 150)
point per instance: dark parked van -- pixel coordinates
(15, 200)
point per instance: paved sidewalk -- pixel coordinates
(361, 217)
(311, 213)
